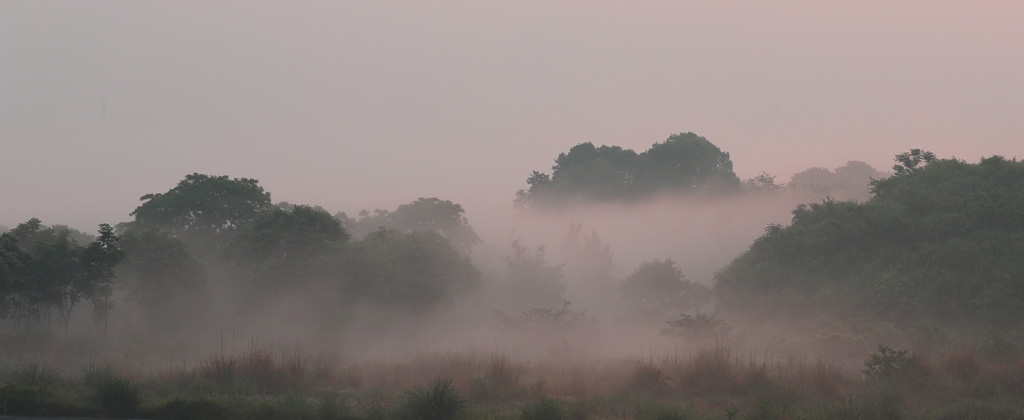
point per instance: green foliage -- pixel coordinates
(543, 409)
(116, 396)
(939, 240)
(34, 375)
(886, 363)
(425, 214)
(413, 271)
(43, 268)
(281, 248)
(684, 162)
(203, 205)
(438, 401)
(34, 400)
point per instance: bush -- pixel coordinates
(30, 400)
(887, 363)
(543, 409)
(117, 396)
(439, 401)
(34, 374)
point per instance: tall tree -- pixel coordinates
(202, 206)
(99, 260)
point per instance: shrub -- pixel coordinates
(887, 363)
(26, 400)
(34, 374)
(542, 409)
(648, 377)
(117, 396)
(439, 401)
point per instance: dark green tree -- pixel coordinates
(940, 240)
(202, 207)
(413, 271)
(425, 214)
(280, 249)
(99, 260)
(689, 163)
(684, 163)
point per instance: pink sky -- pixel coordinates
(354, 105)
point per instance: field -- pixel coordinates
(264, 381)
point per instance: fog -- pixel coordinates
(372, 105)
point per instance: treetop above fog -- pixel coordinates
(204, 204)
(683, 163)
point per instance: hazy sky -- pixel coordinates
(375, 103)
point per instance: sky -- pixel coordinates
(370, 104)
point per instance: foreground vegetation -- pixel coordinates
(713, 383)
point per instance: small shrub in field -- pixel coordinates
(93, 375)
(500, 373)
(31, 400)
(887, 363)
(649, 378)
(34, 374)
(117, 396)
(331, 407)
(221, 369)
(260, 367)
(962, 366)
(439, 401)
(543, 409)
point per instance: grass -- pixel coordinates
(709, 383)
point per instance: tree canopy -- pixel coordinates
(941, 238)
(425, 214)
(204, 205)
(683, 163)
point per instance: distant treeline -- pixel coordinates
(684, 164)
(219, 234)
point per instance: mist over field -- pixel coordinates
(586, 210)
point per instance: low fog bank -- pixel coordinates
(584, 282)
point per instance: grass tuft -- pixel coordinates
(439, 401)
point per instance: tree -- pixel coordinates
(201, 206)
(13, 261)
(939, 241)
(161, 276)
(281, 248)
(764, 183)
(54, 271)
(99, 260)
(909, 162)
(413, 271)
(690, 163)
(684, 163)
(658, 288)
(425, 214)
